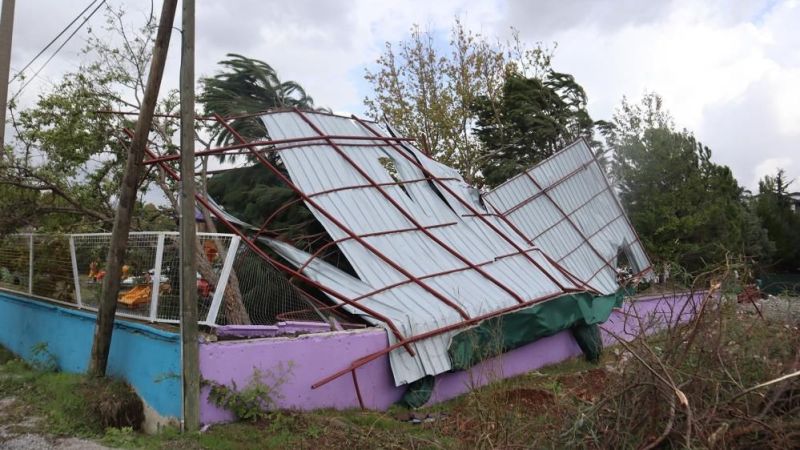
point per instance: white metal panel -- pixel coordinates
(502, 277)
(566, 206)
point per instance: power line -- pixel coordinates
(52, 41)
(59, 48)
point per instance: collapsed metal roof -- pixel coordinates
(430, 259)
(566, 206)
(427, 255)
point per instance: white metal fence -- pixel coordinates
(69, 268)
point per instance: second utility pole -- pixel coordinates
(189, 334)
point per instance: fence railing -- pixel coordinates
(69, 268)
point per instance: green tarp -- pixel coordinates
(579, 312)
(418, 393)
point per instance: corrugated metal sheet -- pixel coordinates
(325, 175)
(567, 207)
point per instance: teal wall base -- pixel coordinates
(145, 357)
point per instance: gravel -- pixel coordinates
(776, 308)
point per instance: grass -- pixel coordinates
(570, 405)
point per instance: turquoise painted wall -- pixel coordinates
(147, 358)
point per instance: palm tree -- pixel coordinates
(247, 86)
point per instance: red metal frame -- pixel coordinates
(472, 210)
(542, 233)
(608, 188)
(275, 263)
(548, 188)
(377, 233)
(570, 221)
(362, 186)
(408, 215)
(342, 226)
(594, 233)
(395, 143)
(248, 145)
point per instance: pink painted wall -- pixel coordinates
(304, 360)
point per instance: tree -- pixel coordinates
(533, 119)
(773, 207)
(246, 86)
(428, 94)
(686, 209)
(65, 166)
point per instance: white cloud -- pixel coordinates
(729, 70)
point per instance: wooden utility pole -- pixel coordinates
(127, 196)
(6, 32)
(189, 343)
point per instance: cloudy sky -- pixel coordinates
(728, 70)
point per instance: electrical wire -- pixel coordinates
(59, 49)
(17, 75)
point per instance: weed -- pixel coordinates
(119, 437)
(252, 402)
(43, 359)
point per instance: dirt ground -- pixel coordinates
(20, 431)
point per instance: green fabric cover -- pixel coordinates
(503, 333)
(589, 340)
(418, 393)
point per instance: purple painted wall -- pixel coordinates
(301, 361)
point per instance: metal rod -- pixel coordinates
(474, 211)
(156, 287)
(409, 216)
(346, 229)
(358, 390)
(277, 264)
(455, 326)
(76, 278)
(247, 145)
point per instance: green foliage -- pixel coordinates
(427, 89)
(119, 437)
(65, 165)
(252, 402)
(533, 119)
(246, 86)
(44, 360)
(773, 207)
(686, 209)
(756, 242)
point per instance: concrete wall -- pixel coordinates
(292, 365)
(147, 358)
